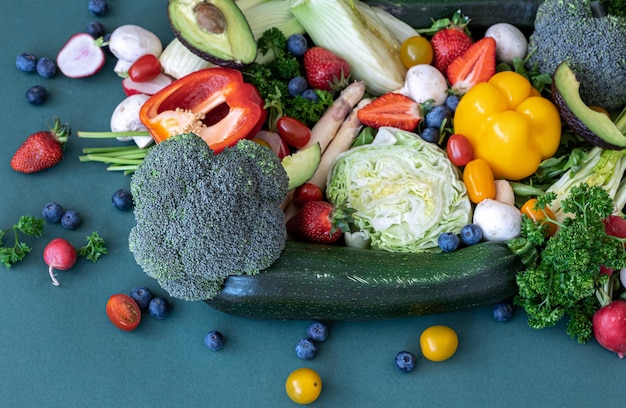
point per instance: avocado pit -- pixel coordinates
(210, 18)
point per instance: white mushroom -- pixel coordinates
(129, 42)
(510, 42)
(499, 221)
(125, 118)
(424, 82)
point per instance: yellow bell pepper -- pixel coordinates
(510, 125)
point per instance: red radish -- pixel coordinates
(59, 254)
(609, 327)
(81, 56)
(275, 142)
(146, 87)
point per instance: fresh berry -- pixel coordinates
(214, 340)
(477, 64)
(142, 295)
(59, 254)
(437, 115)
(26, 62)
(314, 222)
(317, 332)
(158, 308)
(450, 40)
(430, 134)
(503, 311)
(52, 212)
(452, 101)
(297, 45)
(36, 95)
(98, 8)
(391, 109)
(448, 241)
(122, 200)
(297, 85)
(46, 68)
(41, 150)
(310, 95)
(95, 29)
(405, 361)
(81, 56)
(70, 220)
(324, 69)
(306, 349)
(471, 234)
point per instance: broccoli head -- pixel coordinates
(568, 30)
(201, 216)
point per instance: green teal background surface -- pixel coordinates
(58, 349)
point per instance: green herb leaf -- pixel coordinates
(94, 249)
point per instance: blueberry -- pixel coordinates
(36, 95)
(158, 307)
(471, 234)
(214, 340)
(448, 241)
(122, 200)
(95, 29)
(452, 101)
(310, 95)
(26, 62)
(317, 332)
(98, 8)
(297, 85)
(70, 220)
(142, 295)
(430, 134)
(503, 311)
(46, 68)
(306, 349)
(437, 115)
(405, 361)
(297, 45)
(52, 212)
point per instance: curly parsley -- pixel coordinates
(95, 247)
(26, 225)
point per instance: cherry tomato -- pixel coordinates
(439, 343)
(145, 68)
(293, 132)
(123, 312)
(479, 181)
(303, 385)
(416, 50)
(540, 215)
(460, 150)
(307, 192)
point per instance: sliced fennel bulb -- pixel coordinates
(361, 38)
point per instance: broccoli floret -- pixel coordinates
(201, 216)
(567, 30)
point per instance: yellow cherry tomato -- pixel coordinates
(479, 181)
(540, 215)
(416, 50)
(303, 385)
(439, 343)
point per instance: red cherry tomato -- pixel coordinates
(145, 68)
(460, 150)
(123, 312)
(305, 193)
(293, 132)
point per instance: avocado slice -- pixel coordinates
(301, 165)
(593, 126)
(215, 30)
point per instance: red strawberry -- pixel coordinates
(41, 150)
(391, 109)
(325, 70)
(477, 64)
(314, 222)
(450, 40)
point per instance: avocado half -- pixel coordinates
(215, 30)
(595, 127)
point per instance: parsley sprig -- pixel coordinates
(17, 250)
(95, 247)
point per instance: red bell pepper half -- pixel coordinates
(214, 103)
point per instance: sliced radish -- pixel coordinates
(81, 56)
(275, 142)
(148, 87)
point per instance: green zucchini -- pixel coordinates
(337, 283)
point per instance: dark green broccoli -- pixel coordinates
(567, 30)
(201, 217)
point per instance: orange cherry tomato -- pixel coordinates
(123, 312)
(416, 50)
(540, 215)
(293, 132)
(479, 181)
